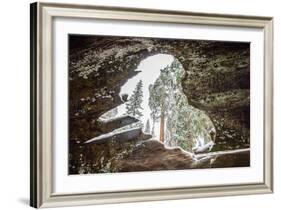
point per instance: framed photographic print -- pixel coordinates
(138, 105)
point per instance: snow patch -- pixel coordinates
(111, 135)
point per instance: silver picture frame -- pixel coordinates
(41, 147)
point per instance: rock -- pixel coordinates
(124, 97)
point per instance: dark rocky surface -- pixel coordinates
(151, 155)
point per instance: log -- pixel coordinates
(219, 153)
(222, 159)
(121, 136)
(114, 123)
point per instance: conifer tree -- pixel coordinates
(159, 98)
(180, 123)
(133, 106)
(147, 127)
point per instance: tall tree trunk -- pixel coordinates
(162, 126)
(152, 130)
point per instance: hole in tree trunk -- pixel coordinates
(197, 94)
(155, 97)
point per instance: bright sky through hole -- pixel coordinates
(150, 71)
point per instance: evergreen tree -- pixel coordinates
(159, 98)
(152, 131)
(133, 106)
(147, 127)
(180, 123)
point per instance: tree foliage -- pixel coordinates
(147, 126)
(183, 124)
(133, 106)
(163, 95)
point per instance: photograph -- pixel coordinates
(131, 104)
(139, 104)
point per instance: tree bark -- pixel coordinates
(162, 126)
(152, 130)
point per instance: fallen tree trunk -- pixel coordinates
(218, 153)
(114, 123)
(222, 159)
(129, 155)
(121, 136)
